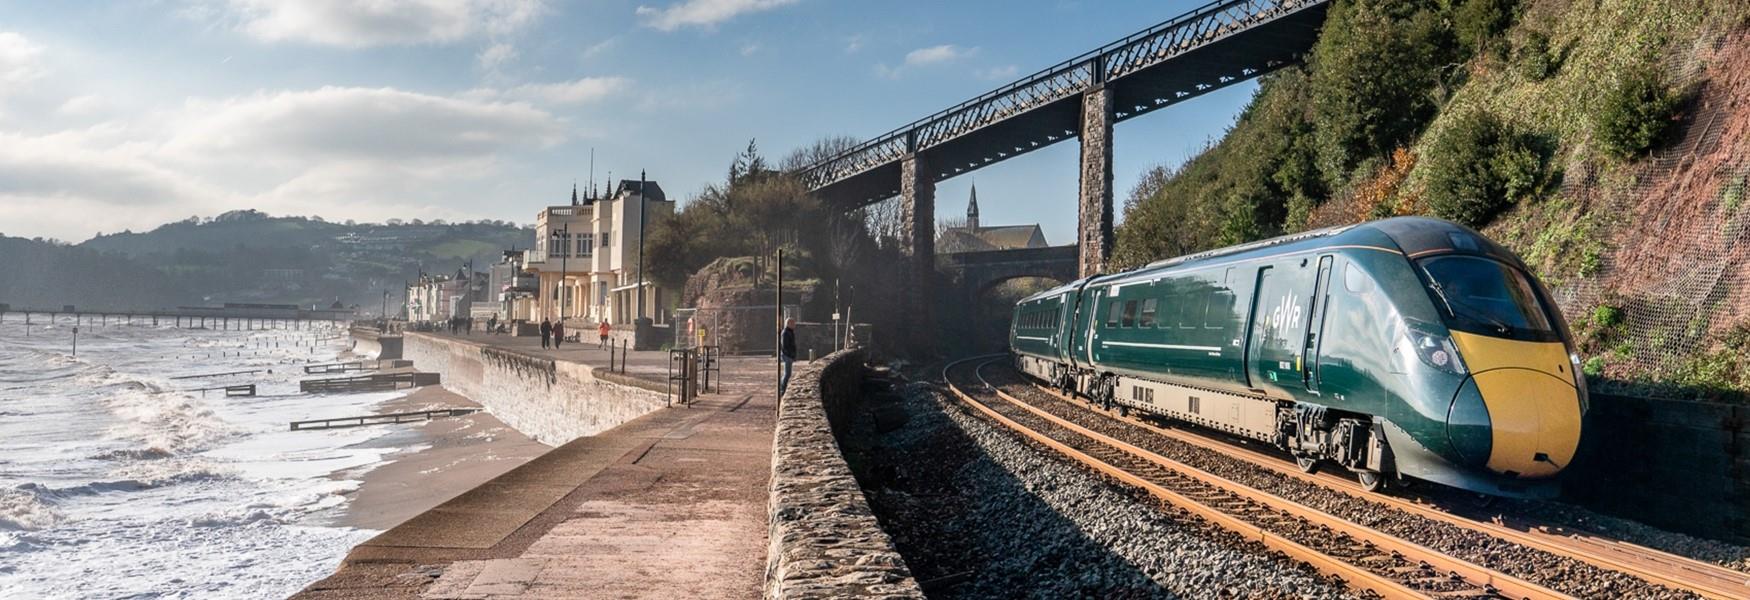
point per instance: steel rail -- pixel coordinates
(1656, 566)
(1356, 576)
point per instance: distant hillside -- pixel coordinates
(248, 256)
(40, 274)
(1606, 141)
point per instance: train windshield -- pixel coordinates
(1484, 296)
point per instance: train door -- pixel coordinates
(1278, 332)
(1315, 328)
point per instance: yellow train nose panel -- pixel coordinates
(1530, 413)
(1534, 407)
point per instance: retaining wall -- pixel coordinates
(552, 401)
(825, 541)
(1681, 465)
(369, 341)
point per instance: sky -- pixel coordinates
(127, 115)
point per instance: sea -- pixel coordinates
(117, 481)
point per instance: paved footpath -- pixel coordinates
(669, 505)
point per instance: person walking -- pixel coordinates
(601, 331)
(786, 354)
(492, 325)
(546, 333)
(558, 333)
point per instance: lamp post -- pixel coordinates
(643, 202)
(562, 238)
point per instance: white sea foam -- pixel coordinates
(114, 483)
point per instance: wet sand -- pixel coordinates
(444, 458)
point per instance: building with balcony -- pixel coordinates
(586, 257)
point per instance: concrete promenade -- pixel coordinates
(669, 505)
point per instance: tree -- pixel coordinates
(818, 152)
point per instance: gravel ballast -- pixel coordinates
(980, 513)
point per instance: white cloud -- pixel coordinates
(334, 123)
(925, 57)
(363, 23)
(937, 55)
(600, 47)
(703, 13)
(83, 106)
(19, 61)
(579, 91)
(854, 44)
(750, 48)
(496, 55)
(1002, 72)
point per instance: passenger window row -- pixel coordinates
(1041, 318)
(1181, 311)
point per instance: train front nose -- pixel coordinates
(1519, 412)
(1533, 421)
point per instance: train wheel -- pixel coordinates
(1307, 464)
(1123, 411)
(1370, 480)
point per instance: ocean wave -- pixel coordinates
(168, 423)
(26, 509)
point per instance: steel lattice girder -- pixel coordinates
(1223, 43)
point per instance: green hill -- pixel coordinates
(1603, 140)
(247, 256)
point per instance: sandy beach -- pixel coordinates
(443, 458)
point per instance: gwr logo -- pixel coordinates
(1287, 312)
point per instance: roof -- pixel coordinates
(632, 186)
(1006, 237)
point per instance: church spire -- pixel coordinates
(574, 193)
(972, 210)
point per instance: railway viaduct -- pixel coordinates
(1214, 46)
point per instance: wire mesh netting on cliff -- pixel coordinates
(1676, 275)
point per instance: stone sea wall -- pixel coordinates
(552, 401)
(825, 541)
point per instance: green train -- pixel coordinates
(1403, 349)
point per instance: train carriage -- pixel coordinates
(1403, 348)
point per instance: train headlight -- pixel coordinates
(1437, 351)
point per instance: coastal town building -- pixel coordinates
(433, 298)
(976, 237)
(586, 257)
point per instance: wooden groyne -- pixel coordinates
(424, 415)
(376, 382)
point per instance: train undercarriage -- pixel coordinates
(1313, 435)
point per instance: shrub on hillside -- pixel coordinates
(1478, 22)
(1479, 166)
(1636, 114)
(1533, 58)
(1375, 71)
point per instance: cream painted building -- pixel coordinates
(586, 256)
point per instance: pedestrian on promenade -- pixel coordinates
(546, 333)
(558, 333)
(601, 331)
(492, 324)
(786, 354)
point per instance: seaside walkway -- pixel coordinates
(669, 505)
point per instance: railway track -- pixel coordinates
(1661, 568)
(1364, 558)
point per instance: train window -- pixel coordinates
(1148, 313)
(1356, 281)
(1480, 295)
(1130, 313)
(1219, 311)
(1194, 306)
(1112, 314)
